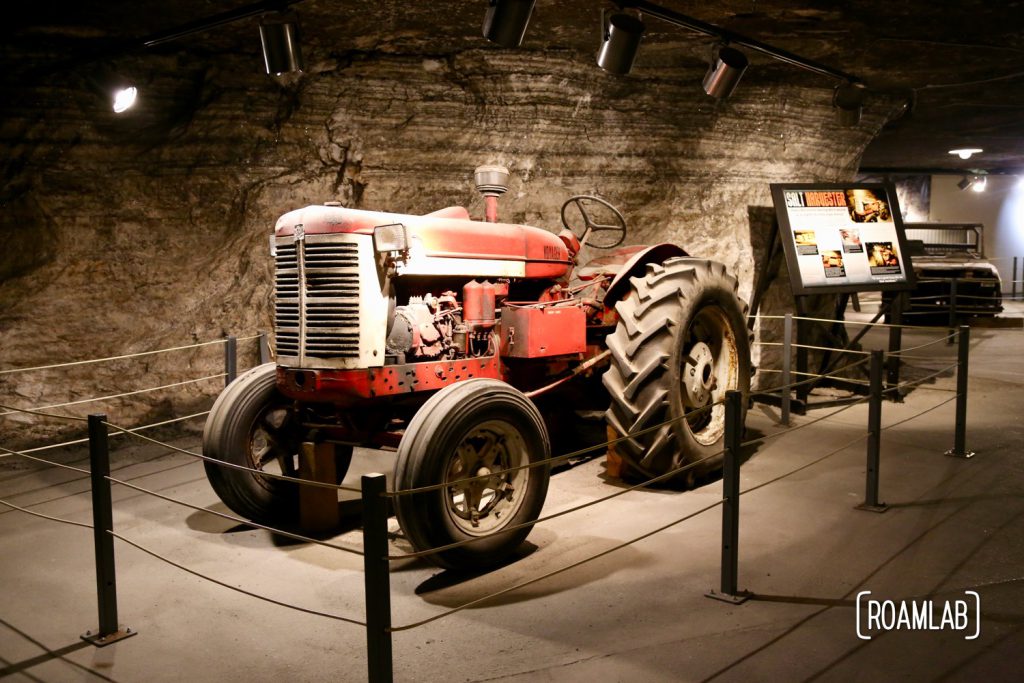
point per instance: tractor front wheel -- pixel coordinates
(255, 426)
(477, 439)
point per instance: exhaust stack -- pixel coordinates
(491, 182)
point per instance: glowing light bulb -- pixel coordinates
(125, 98)
(966, 152)
(979, 184)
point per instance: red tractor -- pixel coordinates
(469, 346)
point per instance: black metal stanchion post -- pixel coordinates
(1013, 282)
(896, 309)
(787, 350)
(952, 310)
(731, 505)
(264, 348)
(963, 351)
(230, 360)
(103, 523)
(377, 578)
(874, 437)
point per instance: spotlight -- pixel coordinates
(966, 152)
(279, 35)
(848, 101)
(124, 98)
(964, 183)
(506, 21)
(620, 40)
(120, 93)
(724, 75)
(979, 184)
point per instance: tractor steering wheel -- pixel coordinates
(590, 227)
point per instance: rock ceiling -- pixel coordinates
(959, 67)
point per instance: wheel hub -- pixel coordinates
(483, 497)
(698, 375)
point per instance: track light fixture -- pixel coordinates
(848, 101)
(506, 21)
(729, 64)
(620, 41)
(282, 53)
(727, 67)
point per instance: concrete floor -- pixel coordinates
(635, 615)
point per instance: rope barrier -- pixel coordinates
(762, 439)
(7, 453)
(272, 601)
(106, 398)
(816, 348)
(42, 516)
(554, 459)
(121, 357)
(896, 354)
(560, 570)
(231, 465)
(50, 447)
(805, 466)
(76, 442)
(924, 358)
(12, 409)
(919, 380)
(912, 417)
(239, 520)
(560, 513)
(74, 480)
(812, 378)
(848, 322)
(619, 546)
(990, 280)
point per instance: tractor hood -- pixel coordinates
(446, 241)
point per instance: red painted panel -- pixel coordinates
(350, 386)
(542, 332)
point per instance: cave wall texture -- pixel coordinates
(151, 230)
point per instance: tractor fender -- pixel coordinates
(657, 253)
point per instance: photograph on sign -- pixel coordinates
(842, 237)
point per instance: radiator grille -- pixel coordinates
(317, 298)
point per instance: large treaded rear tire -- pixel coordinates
(669, 311)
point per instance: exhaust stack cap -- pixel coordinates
(491, 181)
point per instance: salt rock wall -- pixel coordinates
(151, 231)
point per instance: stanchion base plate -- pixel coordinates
(102, 641)
(881, 507)
(965, 455)
(737, 599)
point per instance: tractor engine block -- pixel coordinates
(430, 328)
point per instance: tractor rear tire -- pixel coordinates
(681, 342)
(253, 425)
(468, 429)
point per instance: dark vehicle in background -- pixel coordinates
(953, 275)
